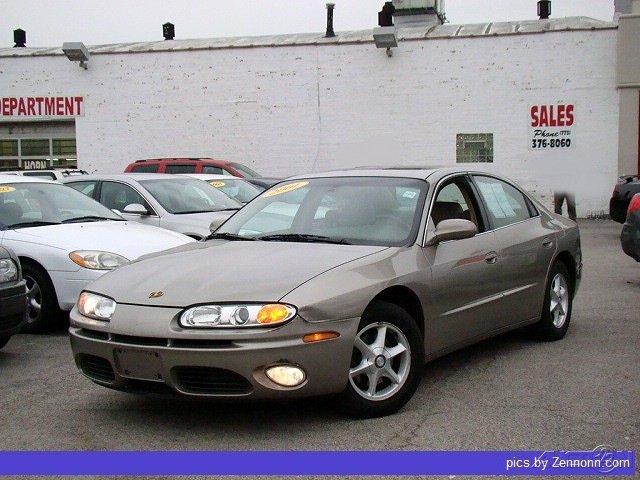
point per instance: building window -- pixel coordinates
(474, 148)
(35, 147)
(8, 148)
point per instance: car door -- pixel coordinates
(525, 246)
(117, 195)
(463, 295)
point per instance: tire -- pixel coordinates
(43, 311)
(400, 331)
(555, 318)
(4, 341)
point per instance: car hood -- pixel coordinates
(129, 239)
(224, 271)
(199, 222)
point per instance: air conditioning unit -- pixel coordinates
(423, 6)
(418, 12)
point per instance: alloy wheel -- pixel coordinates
(559, 304)
(34, 300)
(381, 361)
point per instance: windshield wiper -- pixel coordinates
(89, 218)
(35, 223)
(227, 236)
(303, 237)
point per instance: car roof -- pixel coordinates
(210, 176)
(417, 172)
(124, 177)
(20, 179)
(183, 159)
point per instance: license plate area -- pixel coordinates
(138, 364)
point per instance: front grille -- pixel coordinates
(155, 341)
(211, 381)
(96, 368)
(12, 321)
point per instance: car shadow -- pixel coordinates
(252, 416)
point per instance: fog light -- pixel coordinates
(286, 375)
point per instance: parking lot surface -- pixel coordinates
(506, 393)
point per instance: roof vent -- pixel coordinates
(330, 32)
(168, 31)
(19, 38)
(544, 9)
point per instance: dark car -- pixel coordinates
(630, 237)
(624, 190)
(13, 295)
(191, 165)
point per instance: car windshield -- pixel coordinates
(246, 171)
(239, 190)
(25, 205)
(351, 210)
(181, 196)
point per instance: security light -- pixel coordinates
(385, 37)
(76, 52)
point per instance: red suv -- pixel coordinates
(191, 165)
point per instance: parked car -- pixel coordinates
(52, 174)
(237, 188)
(191, 165)
(263, 182)
(374, 272)
(65, 240)
(13, 296)
(630, 237)
(624, 190)
(174, 202)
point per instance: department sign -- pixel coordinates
(551, 127)
(25, 107)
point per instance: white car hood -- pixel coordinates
(129, 239)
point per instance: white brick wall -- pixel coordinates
(288, 110)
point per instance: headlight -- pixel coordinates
(8, 270)
(235, 316)
(97, 260)
(96, 306)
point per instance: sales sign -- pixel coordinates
(551, 127)
(41, 106)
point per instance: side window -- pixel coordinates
(455, 201)
(505, 204)
(213, 170)
(88, 188)
(118, 195)
(144, 168)
(180, 168)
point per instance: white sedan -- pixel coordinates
(65, 240)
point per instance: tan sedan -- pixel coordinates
(334, 283)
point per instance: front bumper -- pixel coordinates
(13, 306)
(149, 352)
(630, 239)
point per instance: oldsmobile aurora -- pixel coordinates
(335, 283)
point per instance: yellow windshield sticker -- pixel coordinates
(6, 189)
(289, 187)
(217, 184)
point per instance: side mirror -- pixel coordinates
(136, 209)
(453, 229)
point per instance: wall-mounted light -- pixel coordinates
(385, 37)
(76, 52)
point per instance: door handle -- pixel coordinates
(491, 257)
(547, 243)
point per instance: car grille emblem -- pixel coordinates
(157, 294)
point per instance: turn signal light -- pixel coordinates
(273, 313)
(319, 337)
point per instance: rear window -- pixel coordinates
(180, 168)
(213, 170)
(153, 168)
(246, 171)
